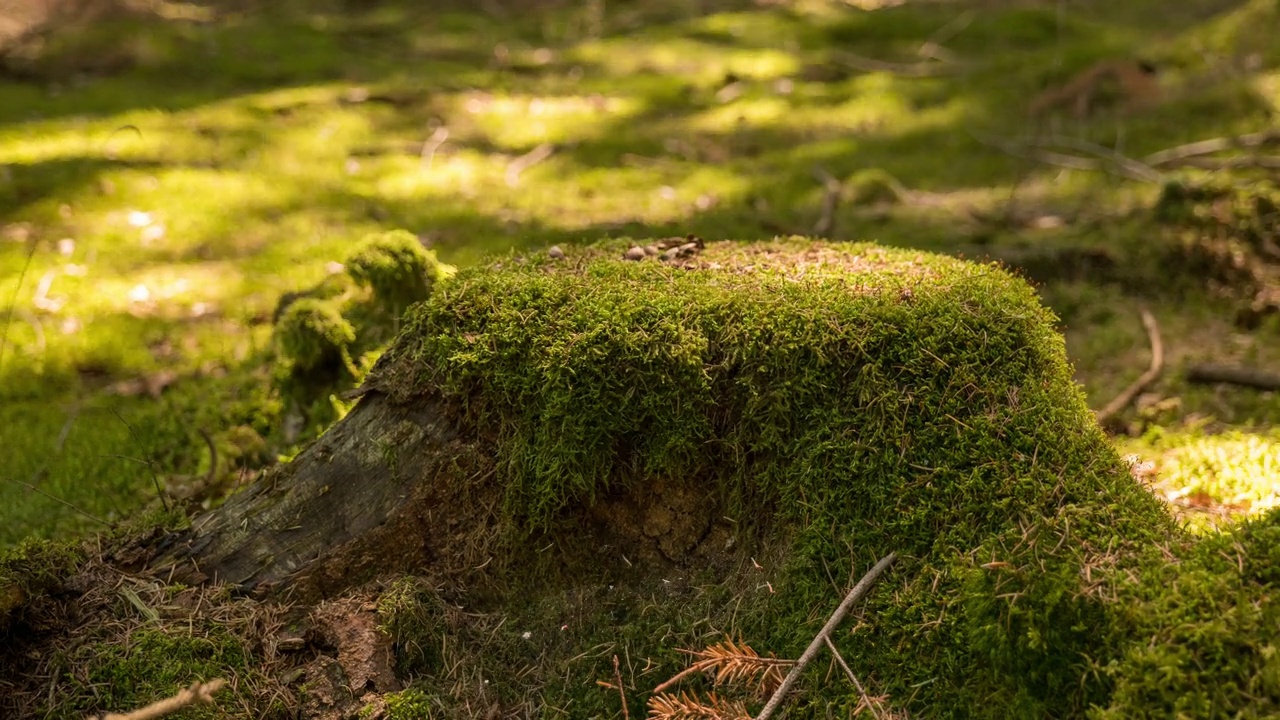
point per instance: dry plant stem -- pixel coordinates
(915, 70)
(830, 199)
(526, 161)
(1122, 400)
(780, 695)
(1126, 166)
(1212, 145)
(617, 676)
(198, 693)
(1234, 375)
(852, 678)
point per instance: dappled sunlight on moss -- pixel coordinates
(1225, 474)
(698, 62)
(519, 122)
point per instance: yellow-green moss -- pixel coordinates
(312, 334)
(397, 268)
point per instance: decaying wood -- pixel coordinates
(1122, 400)
(780, 695)
(340, 494)
(1234, 375)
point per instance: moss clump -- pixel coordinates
(411, 614)
(312, 334)
(842, 401)
(397, 268)
(1203, 627)
(156, 663)
(30, 571)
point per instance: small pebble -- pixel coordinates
(651, 250)
(555, 252)
(635, 253)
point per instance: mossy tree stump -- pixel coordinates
(553, 422)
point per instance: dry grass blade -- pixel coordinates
(684, 706)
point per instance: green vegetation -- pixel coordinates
(397, 268)
(184, 191)
(159, 197)
(875, 400)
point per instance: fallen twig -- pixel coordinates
(1234, 375)
(201, 693)
(830, 200)
(1266, 162)
(915, 70)
(854, 595)
(1122, 400)
(526, 161)
(866, 700)
(1127, 166)
(431, 145)
(1212, 145)
(617, 676)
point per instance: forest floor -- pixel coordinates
(167, 174)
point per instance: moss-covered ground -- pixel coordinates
(168, 175)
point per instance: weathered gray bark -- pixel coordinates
(343, 505)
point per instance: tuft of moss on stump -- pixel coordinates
(837, 402)
(312, 334)
(397, 268)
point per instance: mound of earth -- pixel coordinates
(569, 468)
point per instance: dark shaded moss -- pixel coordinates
(845, 400)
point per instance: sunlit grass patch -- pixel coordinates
(1217, 475)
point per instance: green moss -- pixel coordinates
(411, 613)
(398, 269)
(32, 569)
(844, 396)
(411, 704)
(1203, 629)
(312, 334)
(156, 663)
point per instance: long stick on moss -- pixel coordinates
(198, 693)
(1122, 400)
(852, 598)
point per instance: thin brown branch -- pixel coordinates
(526, 161)
(1212, 145)
(914, 70)
(1234, 375)
(201, 693)
(866, 700)
(617, 676)
(780, 695)
(1264, 162)
(1122, 400)
(1124, 165)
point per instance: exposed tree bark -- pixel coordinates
(358, 500)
